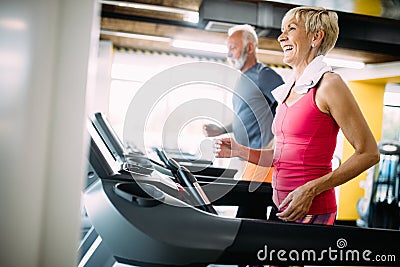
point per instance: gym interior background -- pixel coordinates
(63, 60)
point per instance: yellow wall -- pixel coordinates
(373, 7)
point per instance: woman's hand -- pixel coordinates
(226, 148)
(297, 203)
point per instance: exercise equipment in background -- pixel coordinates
(379, 208)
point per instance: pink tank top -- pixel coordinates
(305, 143)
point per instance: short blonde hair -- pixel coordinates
(317, 18)
(248, 33)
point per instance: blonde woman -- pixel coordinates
(312, 106)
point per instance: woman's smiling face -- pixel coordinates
(295, 43)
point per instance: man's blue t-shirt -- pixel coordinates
(254, 106)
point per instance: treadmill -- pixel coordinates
(150, 219)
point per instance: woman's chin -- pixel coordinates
(287, 62)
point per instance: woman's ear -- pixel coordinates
(317, 38)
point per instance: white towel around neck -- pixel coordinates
(310, 77)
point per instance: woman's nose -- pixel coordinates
(282, 37)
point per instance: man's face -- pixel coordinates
(236, 52)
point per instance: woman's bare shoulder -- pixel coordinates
(331, 90)
(332, 84)
(331, 79)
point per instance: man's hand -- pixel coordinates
(212, 130)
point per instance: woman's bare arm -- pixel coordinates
(228, 147)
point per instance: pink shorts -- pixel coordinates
(327, 219)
